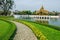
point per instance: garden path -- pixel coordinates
(23, 32)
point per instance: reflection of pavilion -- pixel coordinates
(42, 11)
(42, 21)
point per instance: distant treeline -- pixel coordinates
(28, 12)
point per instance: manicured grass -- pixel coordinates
(50, 33)
(6, 29)
(42, 32)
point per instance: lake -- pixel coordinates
(51, 21)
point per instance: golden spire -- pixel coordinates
(42, 7)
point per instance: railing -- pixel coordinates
(35, 16)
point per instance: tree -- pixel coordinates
(28, 12)
(1, 12)
(6, 5)
(34, 13)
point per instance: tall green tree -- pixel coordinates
(6, 5)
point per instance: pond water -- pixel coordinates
(51, 21)
(55, 21)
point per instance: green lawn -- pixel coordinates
(42, 32)
(6, 29)
(7, 17)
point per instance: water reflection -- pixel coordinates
(55, 21)
(42, 21)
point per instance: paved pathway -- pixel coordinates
(23, 32)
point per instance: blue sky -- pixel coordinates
(50, 5)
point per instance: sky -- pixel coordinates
(50, 5)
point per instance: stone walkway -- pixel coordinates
(23, 32)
